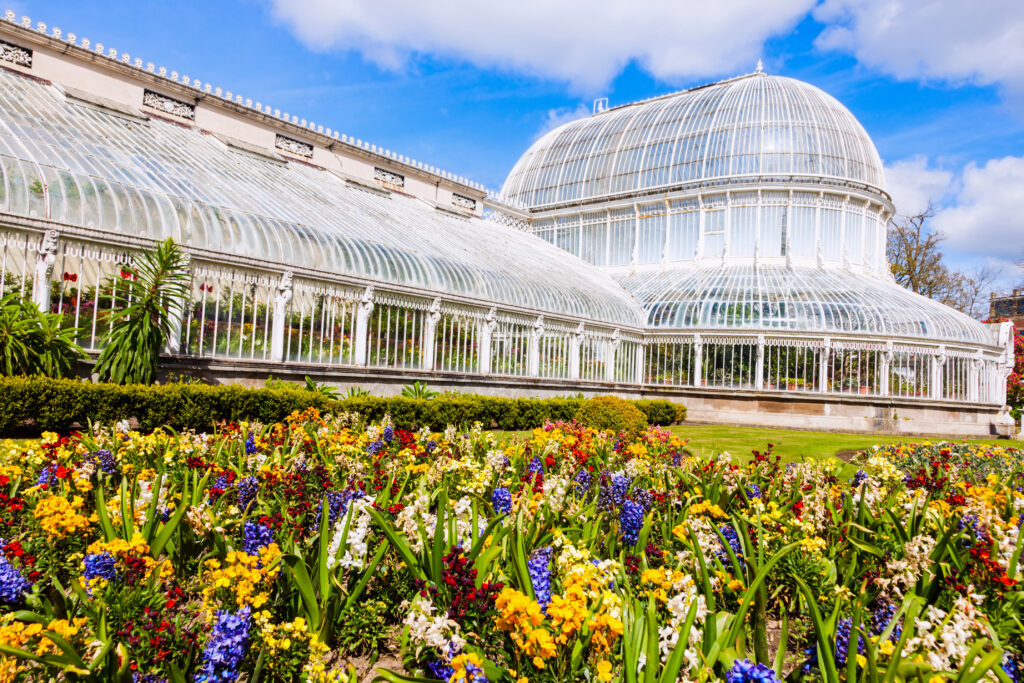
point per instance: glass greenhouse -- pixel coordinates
(728, 237)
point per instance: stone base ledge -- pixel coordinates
(795, 410)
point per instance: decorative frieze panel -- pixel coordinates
(292, 146)
(15, 55)
(462, 202)
(389, 178)
(169, 105)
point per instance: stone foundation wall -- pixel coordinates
(840, 413)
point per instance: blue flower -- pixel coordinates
(256, 536)
(753, 491)
(859, 478)
(389, 434)
(105, 460)
(13, 585)
(226, 647)
(744, 670)
(247, 490)
(100, 566)
(1013, 667)
(631, 520)
(582, 480)
(734, 543)
(48, 475)
(440, 670)
(375, 447)
(843, 642)
(540, 575)
(250, 444)
(535, 466)
(501, 500)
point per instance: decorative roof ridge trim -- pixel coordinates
(207, 91)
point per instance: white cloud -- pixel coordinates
(583, 42)
(913, 184)
(956, 41)
(985, 213)
(562, 115)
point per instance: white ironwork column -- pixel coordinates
(45, 258)
(362, 325)
(698, 360)
(172, 345)
(886, 369)
(429, 343)
(533, 357)
(638, 377)
(759, 365)
(487, 327)
(575, 342)
(281, 301)
(974, 378)
(938, 360)
(826, 353)
(611, 352)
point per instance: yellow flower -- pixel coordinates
(604, 670)
(60, 518)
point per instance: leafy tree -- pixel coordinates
(916, 260)
(157, 287)
(33, 342)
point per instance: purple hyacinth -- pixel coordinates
(375, 447)
(247, 490)
(501, 500)
(1013, 666)
(743, 670)
(582, 480)
(535, 467)
(631, 520)
(100, 566)
(753, 491)
(256, 536)
(13, 585)
(226, 647)
(48, 475)
(389, 434)
(620, 486)
(859, 478)
(250, 444)
(843, 641)
(105, 460)
(734, 543)
(337, 505)
(539, 567)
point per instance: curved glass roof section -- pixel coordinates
(79, 165)
(752, 126)
(766, 299)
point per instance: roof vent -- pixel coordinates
(600, 105)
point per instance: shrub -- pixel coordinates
(55, 405)
(611, 412)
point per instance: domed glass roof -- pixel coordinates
(754, 126)
(821, 300)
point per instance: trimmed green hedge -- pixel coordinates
(57, 404)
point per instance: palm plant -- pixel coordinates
(32, 342)
(418, 390)
(155, 296)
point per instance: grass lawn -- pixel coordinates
(791, 444)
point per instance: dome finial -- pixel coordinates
(760, 67)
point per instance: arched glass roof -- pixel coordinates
(79, 165)
(752, 126)
(776, 298)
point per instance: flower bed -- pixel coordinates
(284, 552)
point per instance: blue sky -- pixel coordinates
(467, 86)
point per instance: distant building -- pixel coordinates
(1010, 306)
